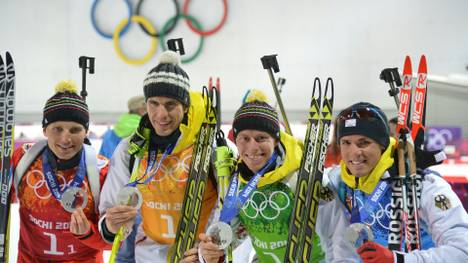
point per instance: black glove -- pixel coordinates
(425, 158)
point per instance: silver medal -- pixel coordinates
(221, 234)
(73, 198)
(130, 196)
(357, 234)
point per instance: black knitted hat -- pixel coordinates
(256, 115)
(365, 119)
(168, 79)
(66, 105)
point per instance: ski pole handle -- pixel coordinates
(281, 82)
(270, 63)
(176, 45)
(392, 77)
(85, 63)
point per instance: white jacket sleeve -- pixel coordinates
(447, 222)
(331, 226)
(117, 177)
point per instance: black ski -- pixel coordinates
(302, 229)
(196, 183)
(7, 123)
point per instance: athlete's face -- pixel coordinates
(165, 114)
(255, 148)
(360, 154)
(65, 138)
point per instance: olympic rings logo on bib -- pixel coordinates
(156, 35)
(267, 207)
(174, 168)
(35, 179)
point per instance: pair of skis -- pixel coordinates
(196, 183)
(7, 123)
(309, 181)
(406, 190)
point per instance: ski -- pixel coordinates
(418, 117)
(309, 181)
(417, 141)
(313, 195)
(406, 189)
(196, 183)
(304, 174)
(7, 123)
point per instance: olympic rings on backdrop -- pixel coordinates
(195, 29)
(200, 43)
(164, 32)
(102, 33)
(148, 28)
(154, 42)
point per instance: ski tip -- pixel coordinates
(422, 65)
(407, 69)
(9, 59)
(1, 60)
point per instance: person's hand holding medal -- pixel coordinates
(129, 198)
(219, 235)
(72, 196)
(357, 234)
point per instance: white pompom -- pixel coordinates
(169, 57)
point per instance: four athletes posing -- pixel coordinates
(156, 161)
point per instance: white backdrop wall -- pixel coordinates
(351, 41)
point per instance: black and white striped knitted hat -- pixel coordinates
(168, 79)
(256, 115)
(66, 105)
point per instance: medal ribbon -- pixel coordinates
(152, 154)
(51, 178)
(370, 204)
(232, 201)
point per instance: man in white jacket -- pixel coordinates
(368, 165)
(162, 150)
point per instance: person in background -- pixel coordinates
(125, 126)
(368, 164)
(51, 230)
(392, 124)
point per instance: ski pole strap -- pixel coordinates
(233, 202)
(51, 178)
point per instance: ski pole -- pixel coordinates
(392, 77)
(270, 63)
(280, 83)
(85, 63)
